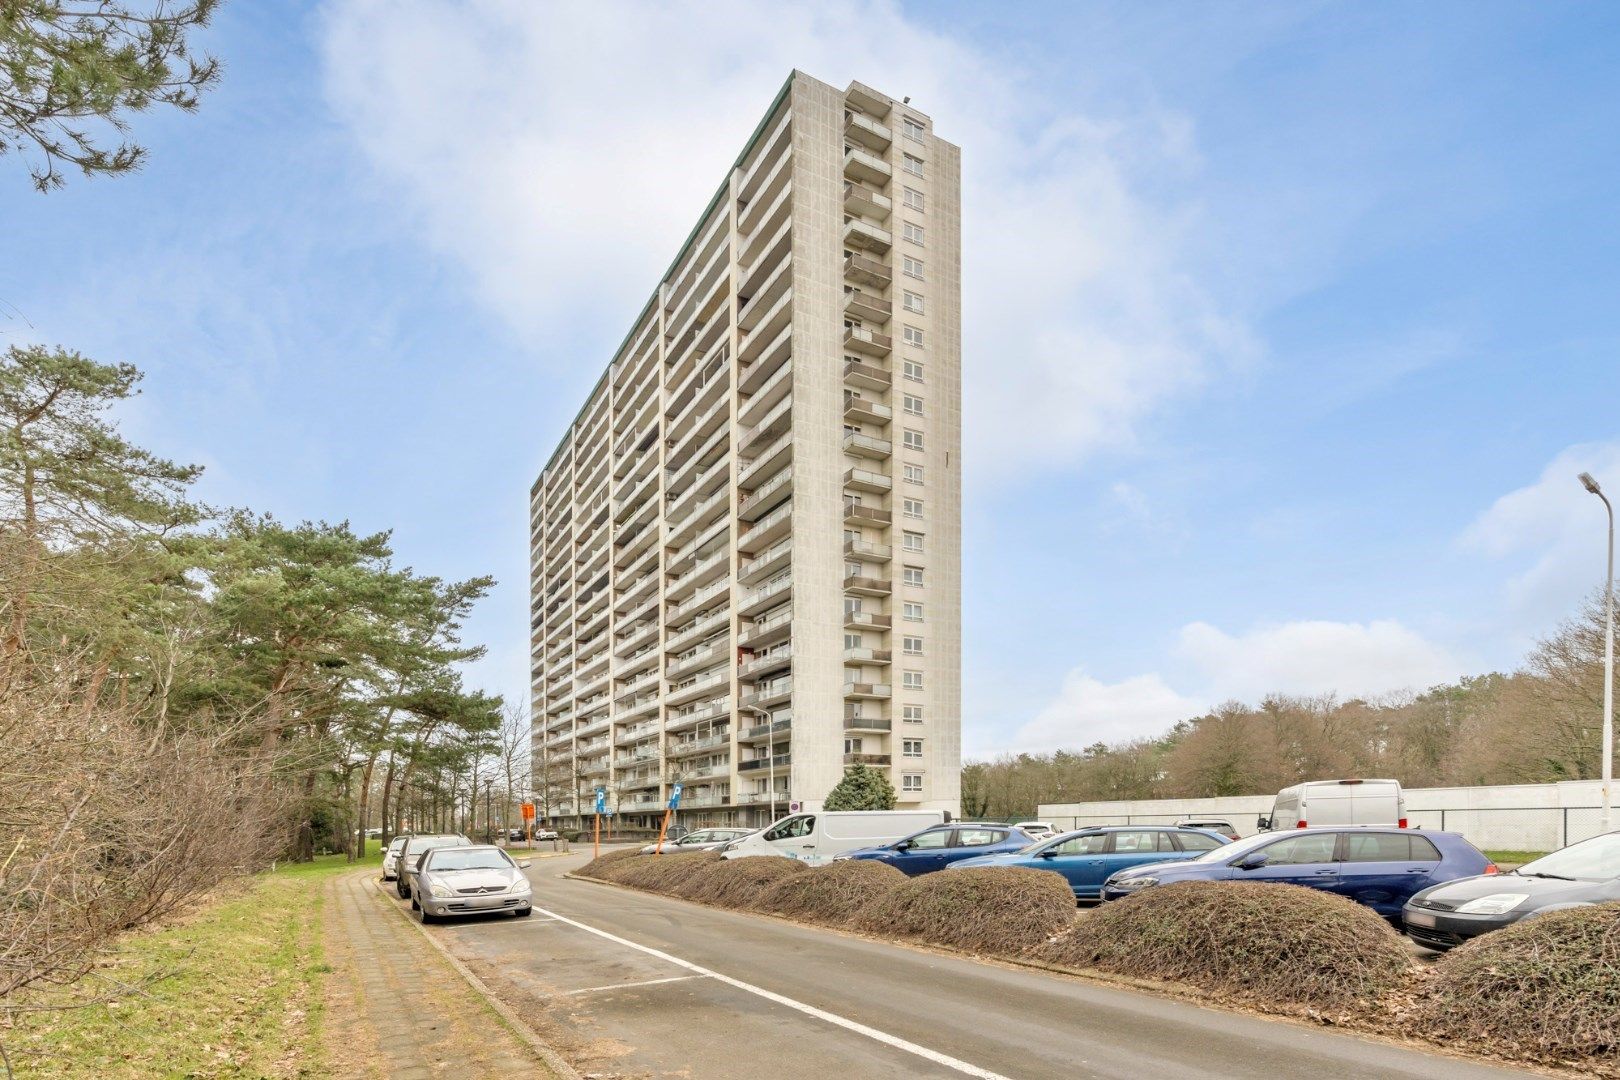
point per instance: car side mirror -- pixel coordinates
(1253, 861)
(1049, 853)
(524, 864)
(1263, 823)
(904, 845)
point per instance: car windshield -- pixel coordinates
(1236, 848)
(396, 844)
(1051, 841)
(702, 836)
(1597, 859)
(418, 844)
(442, 859)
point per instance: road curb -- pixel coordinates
(526, 1034)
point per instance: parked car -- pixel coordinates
(816, 838)
(1579, 875)
(700, 840)
(1036, 830)
(1085, 858)
(545, 834)
(470, 880)
(1220, 825)
(514, 836)
(411, 855)
(390, 864)
(1381, 868)
(1337, 802)
(939, 847)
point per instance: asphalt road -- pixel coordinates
(633, 985)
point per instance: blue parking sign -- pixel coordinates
(675, 796)
(601, 799)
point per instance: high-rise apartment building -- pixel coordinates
(747, 547)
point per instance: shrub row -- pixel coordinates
(1547, 989)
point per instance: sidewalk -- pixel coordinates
(396, 1008)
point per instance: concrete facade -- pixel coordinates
(746, 550)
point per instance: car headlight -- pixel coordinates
(439, 890)
(1494, 904)
(521, 885)
(842, 856)
(1133, 884)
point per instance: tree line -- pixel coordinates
(1540, 723)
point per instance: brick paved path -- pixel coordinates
(398, 1010)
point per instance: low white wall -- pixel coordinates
(1514, 817)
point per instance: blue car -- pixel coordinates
(1087, 857)
(1381, 868)
(943, 845)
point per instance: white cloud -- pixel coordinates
(559, 152)
(1554, 531)
(1306, 657)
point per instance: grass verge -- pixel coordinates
(1509, 859)
(232, 989)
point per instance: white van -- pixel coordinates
(1338, 802)
(816, 838)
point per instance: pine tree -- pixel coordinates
(862, 788)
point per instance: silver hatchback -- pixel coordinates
(476, 880)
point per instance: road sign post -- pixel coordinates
(528, 823)
(674, 804)
(596, 839)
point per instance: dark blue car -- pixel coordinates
(1381, 868)
(1087, 857)
(942, 845)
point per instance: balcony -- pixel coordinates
(679, 695)
(866, 480)
(761, 798)
(867, 237)
(859, 128)
(869, 342)
(682, 747)
(763, 632)
(775, 660)
(767, 694)
(765, 563)
(768, 730)
(859, 585)
(854, 721)
(866, 759)
(860, 199)
(766, 595)
(867, 552)
(865, 691)
(773, 526)
(868, 656)
(868, 307)
(865, 271)
(867, 446)
(781, 761)
(866, 167)
(869, 101)
(866, 376)
(767, 496)
(867, 620)
(766, 462)
(859, 514)
(694, 660)
(863, 410)
(699, 712)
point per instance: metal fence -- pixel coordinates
(1518, 829)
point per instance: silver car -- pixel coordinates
(474, 880)
(700, 840)
(410, 856)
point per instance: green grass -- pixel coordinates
(237, 992)
(1513, 858)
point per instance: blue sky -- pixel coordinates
(1287, 326)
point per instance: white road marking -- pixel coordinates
(628, 986)
(883, 1037)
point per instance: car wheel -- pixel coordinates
(523, 912)
(427, 916)
(414, 905)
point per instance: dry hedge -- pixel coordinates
(1272, 942)
(662, 873)
(1003, 910)
(831, 895)
(736, 883)
(599, 866)
(1548, 987)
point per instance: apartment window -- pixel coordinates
(852, 605)
(854, 641)
(913, 404)
(913, 302)
(913, 474)
(911, 783)
(912, 370)
(911, 714)
(914, 541)
(911, 646)
(853, 745)
(914, 575)
(912, 267)
(914, 613)
(912, 508)
(913, 439)
(912, 129)
(914, 198)
(912, 336)
(911, 748)
(914, 233)
(913, 164)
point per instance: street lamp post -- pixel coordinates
(1608, 658)
(770, 754)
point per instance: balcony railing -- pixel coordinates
(867, 271)
(866, 620)
(867, 307)
(865, 235)
(861, 585)
(860, 165)
(865, 410)
(755, 764)
(867, 480)
(867, 446)
(866, 759)
(860, 199)
(860, 514)
(861, 128)
(868, 656)
(872, 691)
